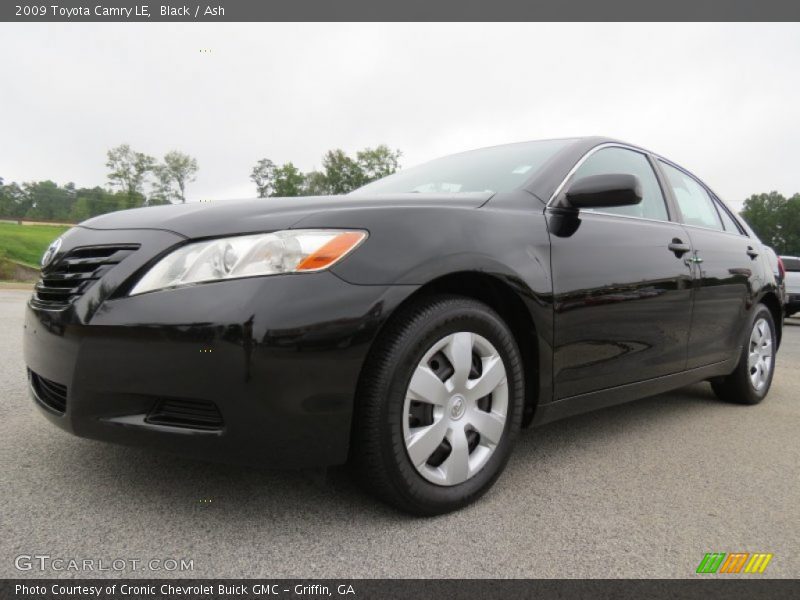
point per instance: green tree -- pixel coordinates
(158, 201)
(288, 181)
(177, 170)
(339, 174)
(377, 162)
(124, 201)
(342, 173)
(776, 220)
(128, 170)
(80, 210)
(14, 201)
(764, 213)
(790, 226)
(315, 184)
(263, 175)
(5, 203)
(48, 201)
(90, 202)
(161, 189)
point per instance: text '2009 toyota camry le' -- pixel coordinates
(412, 327)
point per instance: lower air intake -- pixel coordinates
(192, 414)
(53, 395)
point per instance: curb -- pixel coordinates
(16, 285)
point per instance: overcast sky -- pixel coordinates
(721, 100)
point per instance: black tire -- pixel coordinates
(738, 387)
(379, 448)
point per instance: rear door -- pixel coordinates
(726, 269)
(622, 288)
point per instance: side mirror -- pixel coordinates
(598, 191)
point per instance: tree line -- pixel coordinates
(776, 220)
(136, 179)
(340, 173)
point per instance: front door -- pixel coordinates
(622, 287)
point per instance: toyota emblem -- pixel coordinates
(51, 251)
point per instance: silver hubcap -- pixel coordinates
(455, 408)
(759, 358)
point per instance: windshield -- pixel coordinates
(496, 169)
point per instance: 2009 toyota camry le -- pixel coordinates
(412, 327)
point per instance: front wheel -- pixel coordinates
(439, 405)
(751, 380)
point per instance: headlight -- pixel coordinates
(293, 251)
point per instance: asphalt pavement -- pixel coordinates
(639, 490)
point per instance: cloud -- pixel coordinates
(719, 99)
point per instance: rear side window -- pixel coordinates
(696, 205)
(619, 160)
(727, 219)
(791, 264)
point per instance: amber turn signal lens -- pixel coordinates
(332, 251)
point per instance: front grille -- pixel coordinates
(76, 272)
(53, 395)
(195, 414)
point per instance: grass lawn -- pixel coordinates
(27, 243)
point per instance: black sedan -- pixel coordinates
(412, 327)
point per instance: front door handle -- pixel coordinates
(751, 253)
(678, 247)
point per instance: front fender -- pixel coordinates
(413, 246)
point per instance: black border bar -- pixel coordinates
(401, 10)
(712, 587)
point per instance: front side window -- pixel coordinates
(695, 204)
(609, 161)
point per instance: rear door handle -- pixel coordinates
(678, 247)
(751, 253)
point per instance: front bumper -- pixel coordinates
(279, 357)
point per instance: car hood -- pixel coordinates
(224, 217)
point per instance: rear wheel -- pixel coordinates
(439, 406)
(751, 380)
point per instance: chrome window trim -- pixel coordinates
(603, 146)
(676, 223)
(715, 230)
(722, 207)
(606, 214)
(715, 199)
(583, 159)
(709, 192)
